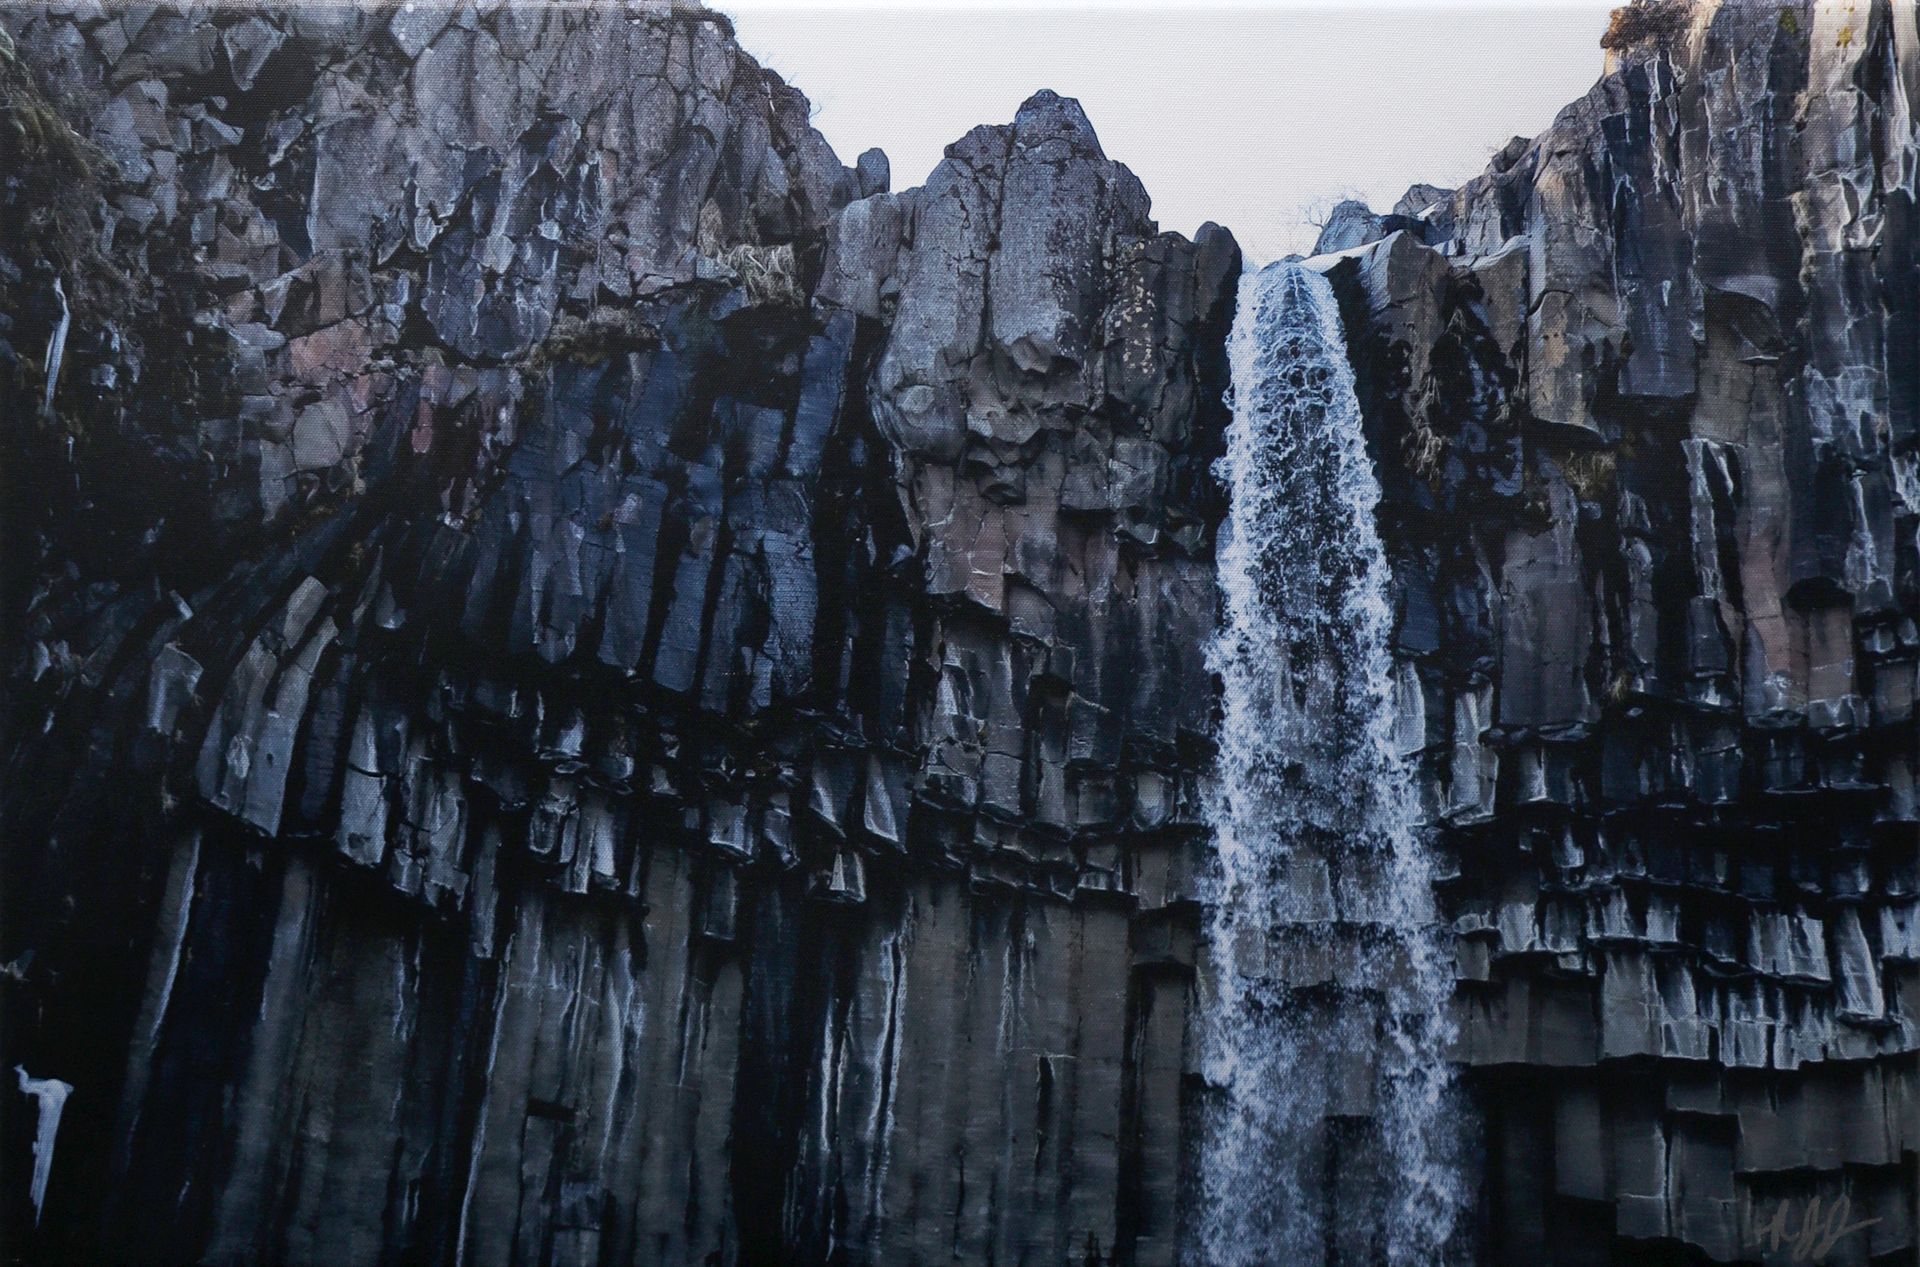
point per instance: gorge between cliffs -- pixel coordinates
(587, 683)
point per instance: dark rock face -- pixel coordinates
(648, 709)
(1642, 400)
(588, 684)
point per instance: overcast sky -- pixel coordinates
(1242, 115)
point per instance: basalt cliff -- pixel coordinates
(589, 684)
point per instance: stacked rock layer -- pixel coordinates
(618, 692)
(589, 684)
(1646, 400)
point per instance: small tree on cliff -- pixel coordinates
(1644, 21)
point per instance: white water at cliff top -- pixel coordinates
(1329, 1129)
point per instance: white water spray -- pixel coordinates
(1328, 1129)
(50, 1099)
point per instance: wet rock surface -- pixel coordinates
(588, 683)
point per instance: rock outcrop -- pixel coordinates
(587, 683)
(1643, 398)
(644, 704)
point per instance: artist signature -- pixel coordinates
(1813, 1236)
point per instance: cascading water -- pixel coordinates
(1329, 1131)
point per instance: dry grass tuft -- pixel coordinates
(768, 273)
(1592, 475)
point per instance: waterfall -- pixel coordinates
(1328, 1129)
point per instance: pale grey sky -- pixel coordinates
(1241, 115)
